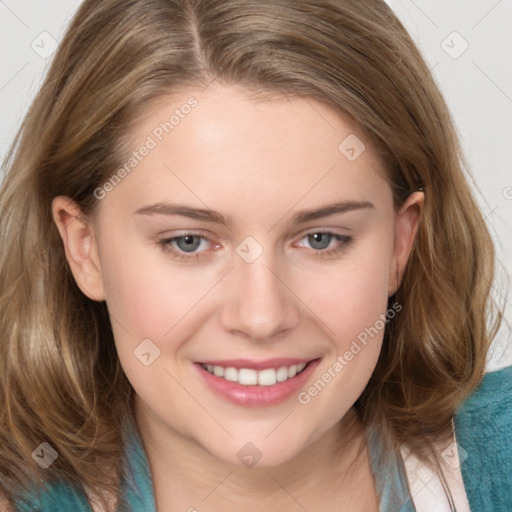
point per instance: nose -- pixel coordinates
(261, 306)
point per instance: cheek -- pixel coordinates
(147, 301)
(349, 296)
(149, 297)
(136, 298)
(351, 303)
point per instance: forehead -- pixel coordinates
(225, 141)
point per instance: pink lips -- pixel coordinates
(257, 396)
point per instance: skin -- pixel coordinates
(257, 162)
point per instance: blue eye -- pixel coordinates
(185, 247)
(321, 240)
(190, 242)
(182, 247)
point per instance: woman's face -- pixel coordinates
(249, 238)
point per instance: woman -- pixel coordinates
(242, 266)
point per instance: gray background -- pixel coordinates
(467, 43)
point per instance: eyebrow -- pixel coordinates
(213, 216)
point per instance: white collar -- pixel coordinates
(425, 484)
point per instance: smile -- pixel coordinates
(251, 377)
(257, 384)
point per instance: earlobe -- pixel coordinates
(406, 226)
(80, 246)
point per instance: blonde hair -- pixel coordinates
(60, 379)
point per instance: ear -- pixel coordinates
(80, 246)
(406, 225)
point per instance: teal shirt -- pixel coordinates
(483, 427)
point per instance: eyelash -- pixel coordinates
(166, 245)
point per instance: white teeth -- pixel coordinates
(247, 377)
(250, 377)
(218, 371)
(231, 374)
(282, 374)
(267, 377)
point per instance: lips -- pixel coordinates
(256, 383)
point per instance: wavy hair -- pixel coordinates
(60, 378)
